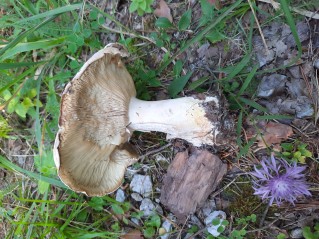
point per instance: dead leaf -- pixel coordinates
(271, 133)
(163, 11)
(134, 234)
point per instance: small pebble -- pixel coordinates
(166, 228)
(120, 195)
(142, 184)
(136, 197)
(148, 207)
(296, 233)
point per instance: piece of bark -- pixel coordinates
(190, 179)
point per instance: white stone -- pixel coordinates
(296, 233)
(209, 207)
(136, 197)
(120, 195)
(167, 225)
(208, 221)
(142, 184)
(148, 207)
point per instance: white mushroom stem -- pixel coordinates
(184, 118)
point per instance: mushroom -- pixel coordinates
(100, 111)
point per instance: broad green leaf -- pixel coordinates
(215, 36)
(27, 102)
(96, 203)
(6, 94)
(154, 221)
(149, 232)
(117, 209)
(134, 6)
(43, 186)
(45, 164)
(178, 84)
(12, 105)
(216, 221)
(185, 20)
(163, 22)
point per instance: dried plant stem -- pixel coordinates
(302, 12)
(259, 28)
(142, 157)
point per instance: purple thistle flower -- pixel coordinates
(280, 181)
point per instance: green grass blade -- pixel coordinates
(273, 117)
(53, 12)
(253, 104)
(19, 231)
(25, 34)
(30, 46)
(18, 79)
(247, 81)
(244, 150)
(292, 25)
(7, 66)
(197, 83)
(178, 84)
(238, 68)
(5, 163)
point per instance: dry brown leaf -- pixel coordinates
(271, 133)
(134, 234)
(163, 11)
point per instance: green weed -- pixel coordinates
(141, 6)
(311, 234)
(295, 152)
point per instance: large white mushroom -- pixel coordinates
(100, 111)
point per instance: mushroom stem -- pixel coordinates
(187, 118)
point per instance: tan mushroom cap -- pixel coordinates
(91, 150)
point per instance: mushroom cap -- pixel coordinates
(91, 150)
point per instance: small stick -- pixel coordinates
(259, 28)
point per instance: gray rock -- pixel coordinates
(271, 85)
(136, 221)
(120, 195)
(297, 88)
(141, 184)
(209, 207)
(136, 197)
(167, 225)
(296, 233)
(150, 208)
(300, 107)
(316, 64)
(263, 55)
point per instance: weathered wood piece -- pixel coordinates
(192, 176)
